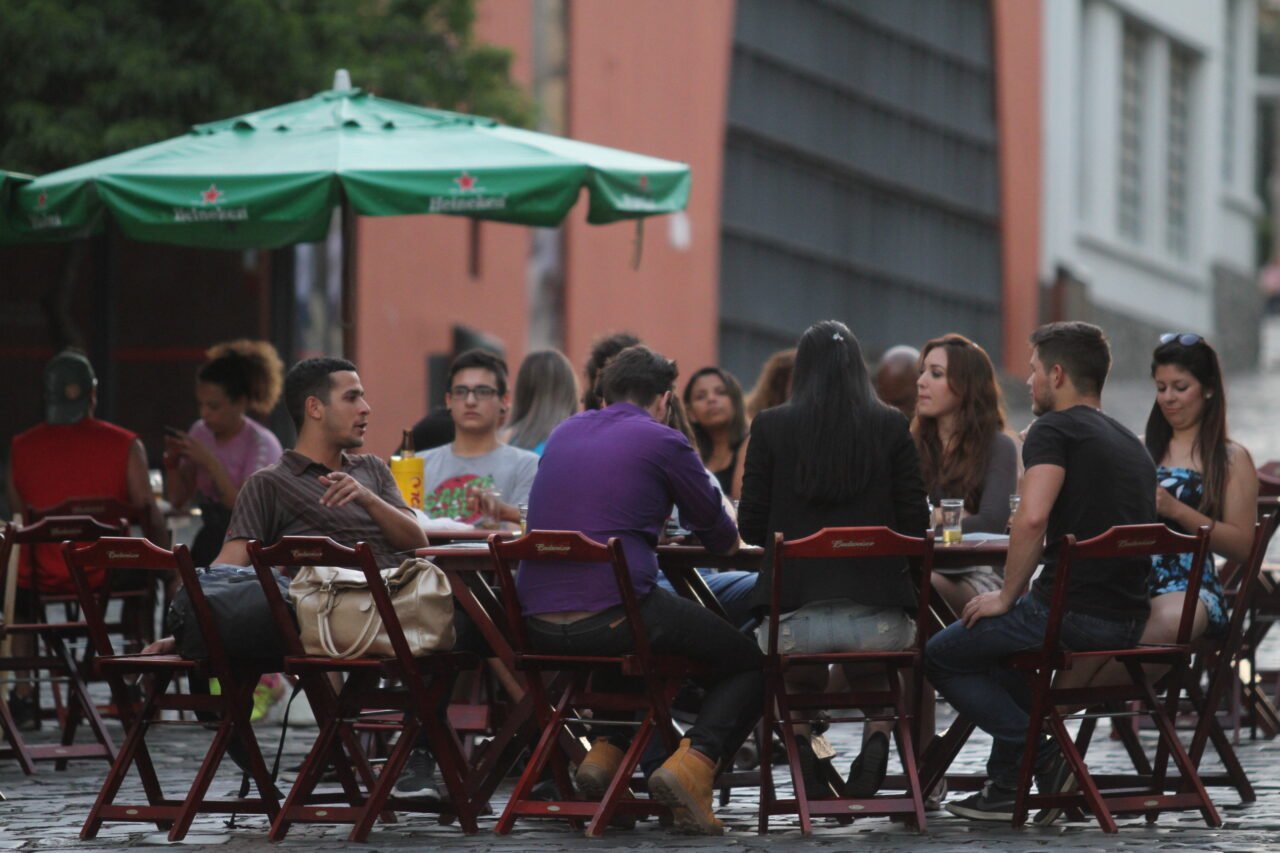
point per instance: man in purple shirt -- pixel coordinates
(616, 472)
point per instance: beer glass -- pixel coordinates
(952, 509)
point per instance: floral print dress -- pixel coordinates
(1171, 571)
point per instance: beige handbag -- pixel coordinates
(338, 618)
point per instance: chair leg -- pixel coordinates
(204, 778)
(308, 776)
(1092, 796)
(541, 752)
(793, 760)
(378, 797)
(444, 743)
(1169, 737)
(78, 703)
(133, 751)
(14, 738)
(1026, 771)
(907, 755)
(621, 781)
(767, 794)
(941, 752)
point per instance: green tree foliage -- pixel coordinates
(85, 78)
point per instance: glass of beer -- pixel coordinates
(524, 518)
(952, 509)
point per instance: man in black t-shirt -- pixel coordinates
(1085, 473)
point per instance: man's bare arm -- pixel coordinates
(1040, 487)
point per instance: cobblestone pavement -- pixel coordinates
(45, 812)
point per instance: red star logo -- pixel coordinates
(211, 195)
(644, 183)
(466, 183)
(42, 200)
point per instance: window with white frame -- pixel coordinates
(1129, 206)
(1181, 66)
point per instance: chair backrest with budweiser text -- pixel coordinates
(1130, 540)
(295, 552)
(563, 546)
(108, 510)
(55, 529)
(855, 543)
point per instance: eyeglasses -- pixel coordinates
(482, 392)
(1187, 339)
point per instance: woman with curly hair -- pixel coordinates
(210, 462)
(964, 451)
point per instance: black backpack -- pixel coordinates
(240, 613)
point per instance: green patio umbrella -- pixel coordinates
(272, 178)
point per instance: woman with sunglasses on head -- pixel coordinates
(1202, 476)
(964, 450)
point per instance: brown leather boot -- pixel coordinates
(598, 769)
(683, 783)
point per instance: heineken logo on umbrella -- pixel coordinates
(468, 197)
(206, 213)
(39, 218)
(642, 202)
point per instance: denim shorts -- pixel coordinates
(840, 625)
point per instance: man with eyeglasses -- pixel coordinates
(476, 479)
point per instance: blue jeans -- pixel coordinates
(732, 589)
(964, 665)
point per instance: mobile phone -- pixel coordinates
(174, 432)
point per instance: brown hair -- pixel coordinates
(959, 470)
(773, 388)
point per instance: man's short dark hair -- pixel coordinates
(637, 375)
(484, 360)
(601, 351)
(1080, 348)
(310, 378)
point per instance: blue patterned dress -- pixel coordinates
(1171, 571)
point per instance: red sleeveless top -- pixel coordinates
(53, 462)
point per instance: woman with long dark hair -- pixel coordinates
(964, 451)
(835, 456)
(1203, 478)
(546, 394)
(718, 415)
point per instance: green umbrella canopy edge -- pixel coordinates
(271, 178)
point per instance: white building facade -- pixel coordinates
(1148, 206)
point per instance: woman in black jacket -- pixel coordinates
(835, 456)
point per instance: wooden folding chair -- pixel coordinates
(231, 706)
(427, 683)
(1216, 661)
(661, 676)
(58, 660)
(784, 710)
(1220, 659)
(138, 601)
(1042, 665)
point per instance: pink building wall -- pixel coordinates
(650, 77)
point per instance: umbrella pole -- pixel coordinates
(349, 235)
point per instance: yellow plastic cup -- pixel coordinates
(408, 471)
